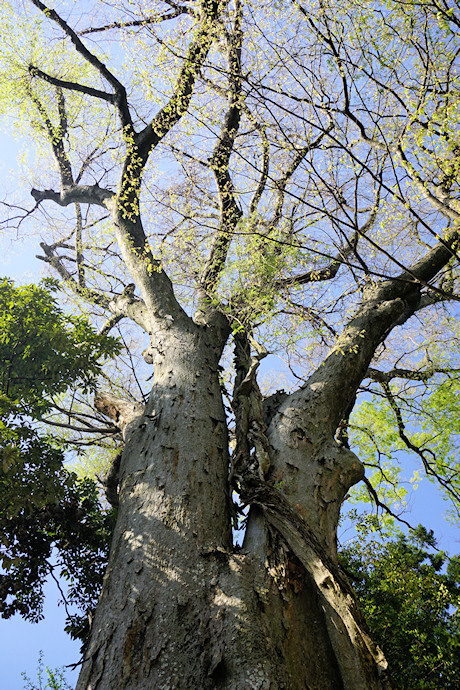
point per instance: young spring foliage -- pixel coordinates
(275, 177)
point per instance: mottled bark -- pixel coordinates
(180, 607)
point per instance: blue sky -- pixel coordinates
(20, 641)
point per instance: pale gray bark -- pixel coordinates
(181, 607)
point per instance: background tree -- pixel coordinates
(291, 170)
(44, 507)
(410, 600)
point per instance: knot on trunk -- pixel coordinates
(110, 480)
(121, 411)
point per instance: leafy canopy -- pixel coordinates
(43, 506)
(44, 351)
(409, 594)
(343, 167)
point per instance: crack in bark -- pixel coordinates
(332, 584)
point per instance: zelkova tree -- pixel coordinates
(268, 177)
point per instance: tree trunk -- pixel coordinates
(182, 608)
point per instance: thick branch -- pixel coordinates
(110, 323)
(318, 275)
(334, 384)
(71, 85)
(230, 213)
(56, 137)
(79, 247)
(123, 305)
(265, 165)
(120, 91)
(347, 625)
(251, 453)
(409, 374)
(155, 286)
(178, 104)
(75, 194)
(177, 11)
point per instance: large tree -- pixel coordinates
(274, 177)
